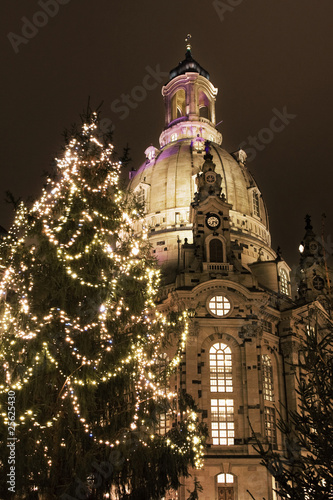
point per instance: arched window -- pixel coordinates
(225, 479)
(267, 375)
(215, 250)
(222, 410)
(284, 285)
(204, 105)
(268, 393)
(178, 105)
(220, 365)
(256, 209)
(225, 486)
(204, 112)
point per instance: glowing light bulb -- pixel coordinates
(135, 251)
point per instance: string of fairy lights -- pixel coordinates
(66, 198)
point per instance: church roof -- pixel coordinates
(171, 175)
(188, 65)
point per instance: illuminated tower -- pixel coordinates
(167, 179)
(208, 226)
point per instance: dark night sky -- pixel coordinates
(262, 55)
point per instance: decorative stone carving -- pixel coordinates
(193, 328)
(250, 331)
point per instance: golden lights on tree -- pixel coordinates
(78, 312)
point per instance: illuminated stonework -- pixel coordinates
(189, 109)
(167, 179)
(208, 227)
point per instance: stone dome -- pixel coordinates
(170, 178)
(166, 183)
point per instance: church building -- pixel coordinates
(209, 230)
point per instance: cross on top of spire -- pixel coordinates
(187, 40)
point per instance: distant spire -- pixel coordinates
(279, 254)
(308, 226)
(187, 40)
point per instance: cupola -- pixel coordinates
(189, 100)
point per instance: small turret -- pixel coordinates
(312, 274)
(208, 182)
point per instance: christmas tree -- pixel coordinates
(82, 343)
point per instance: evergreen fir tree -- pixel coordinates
(306, 470)
(82, 342)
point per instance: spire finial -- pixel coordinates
(187, 40)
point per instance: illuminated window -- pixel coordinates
(225, 479)
(310, 331)
(178, 105)
(199, 144)
(284, 285)
(220, 365)
(225, 486)
(162, 424)
(256, 210)
(219, 305)
(267, 375)
(173, 137)
(222, 421)
(270, 426)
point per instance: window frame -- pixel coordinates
(284, 286)
(229, 478)
(256, 203)
(142, 193)
(226, 310)
(270, 425)
(221, 402)
(225, 359)
(267, 378)
(218, 250)
(222, 421)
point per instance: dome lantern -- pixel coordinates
(189, 100)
